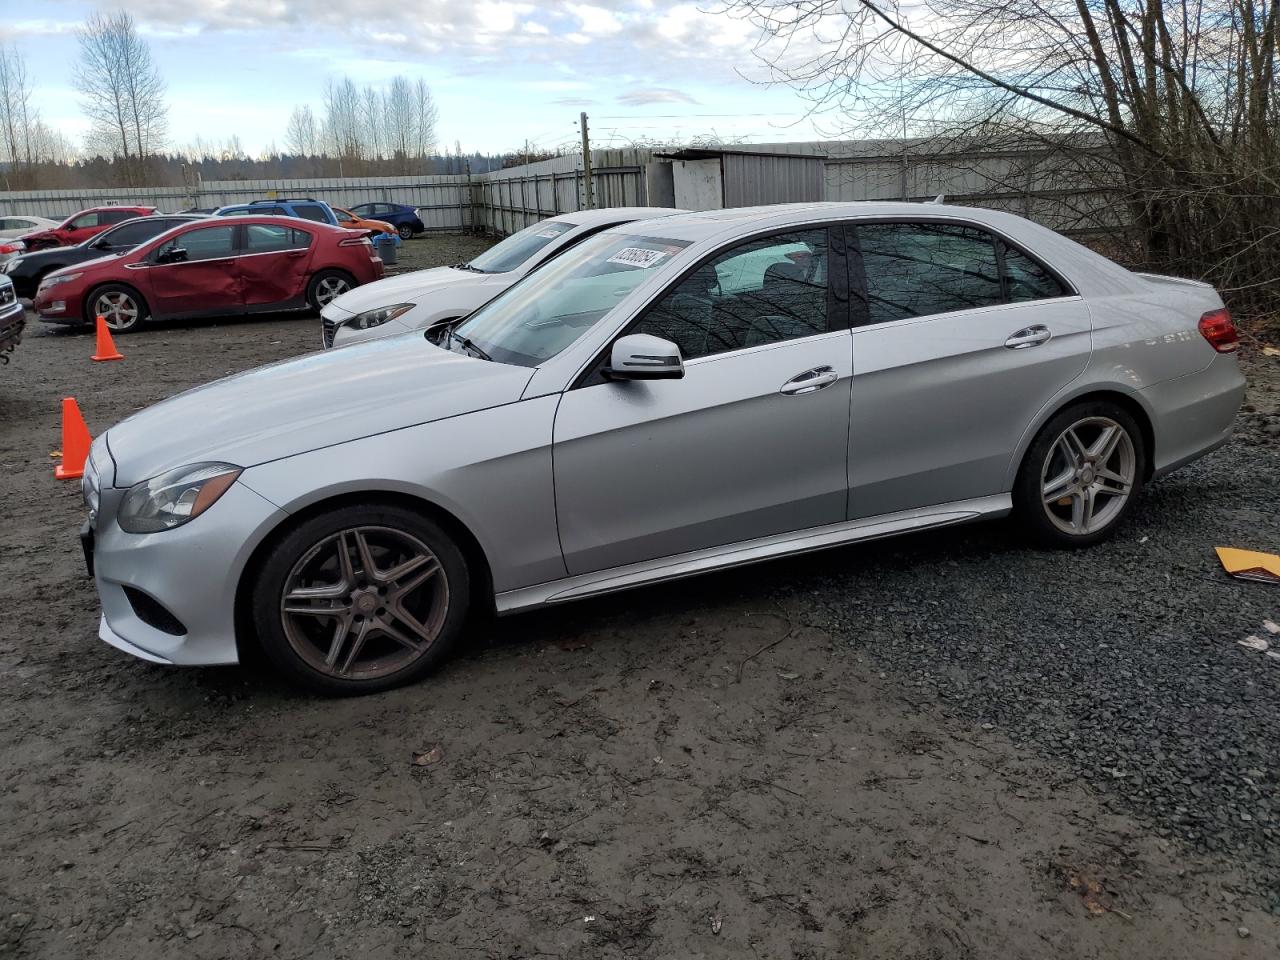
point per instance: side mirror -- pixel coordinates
(644, 357)
(173, 255)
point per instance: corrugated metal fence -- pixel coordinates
(1039, 182)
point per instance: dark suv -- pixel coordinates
(28, 269)
(304, 208)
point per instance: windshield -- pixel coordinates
(556, 304)
(519, 247)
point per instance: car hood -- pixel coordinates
(313, 401)
(403, 288)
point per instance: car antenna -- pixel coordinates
(940, 198)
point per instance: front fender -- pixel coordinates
(491, 470)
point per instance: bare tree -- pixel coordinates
(1171, 107)
(425, 117)
(122, 91)
(302, 134)
(18, 120)
(344, 124)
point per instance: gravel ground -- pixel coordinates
(949, 745)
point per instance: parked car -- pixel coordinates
(667, 398)
(82, 226)
(436, 297)
(400, 215)
(209, 268)
(26, 270)
(304, 208)
(350, 221)
(17, 225)
(12, 319)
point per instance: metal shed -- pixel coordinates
(710, 179)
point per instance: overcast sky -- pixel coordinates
(500, 71)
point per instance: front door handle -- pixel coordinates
(1028, 337)
(810, 381)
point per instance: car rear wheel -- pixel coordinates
(406, 231)
(327, 286)
(361, 599)
(1081, 475)
(121, 307)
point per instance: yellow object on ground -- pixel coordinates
(1248, 565)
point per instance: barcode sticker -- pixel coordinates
(637, 257)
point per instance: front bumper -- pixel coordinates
(192, 571)
(13, 319)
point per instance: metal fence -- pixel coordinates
(1054, 188)
(444, 201)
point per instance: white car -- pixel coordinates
(17, 226)
(426, 298)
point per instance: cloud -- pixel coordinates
(641, 96)
(573, 102)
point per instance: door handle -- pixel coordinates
(1028, 337)
(810, 381)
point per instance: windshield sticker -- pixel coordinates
(637, 257)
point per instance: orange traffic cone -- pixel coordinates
(106, 346)
(75, 442)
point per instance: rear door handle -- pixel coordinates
(810, 381)
(1028, 337)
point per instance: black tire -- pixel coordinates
(1108, 501)
(293, 642)
(405, 230)
(320, 285)
(119, 300)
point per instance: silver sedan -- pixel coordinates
(668, 397)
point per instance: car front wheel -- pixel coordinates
(121, 307)
(1081, 475)
(361, 599)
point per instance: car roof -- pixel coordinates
(594, 218)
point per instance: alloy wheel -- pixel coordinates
(118, 309)
(1088, 475)
(329, 289)
(364, 603)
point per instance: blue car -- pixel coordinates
(303, 207)
(400, 215)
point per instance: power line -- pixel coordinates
(681, 116)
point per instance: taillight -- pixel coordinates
(1217, 328)
(356, 242)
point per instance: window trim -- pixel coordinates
(858, 273)
(839, 300)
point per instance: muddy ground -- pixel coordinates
(887, 751)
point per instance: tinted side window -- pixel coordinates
(763, 291)
(132, 234)
(919, 269)
(115, 216)
(207, 243)
(1027, 280)
(310, 211)
(266, 238)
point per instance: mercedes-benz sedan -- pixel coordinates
(669, 397)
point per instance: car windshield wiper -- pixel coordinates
(467, 266)
(466, 342)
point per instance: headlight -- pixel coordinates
(54, 281)
(89, 484)
(376, 318)
(173, 498)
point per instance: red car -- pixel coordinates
(213, 268)
(82, 226)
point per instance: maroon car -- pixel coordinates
(213, 268)
(83, 225)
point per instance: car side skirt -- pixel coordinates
(751, 551)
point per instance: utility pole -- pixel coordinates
(586, 163)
